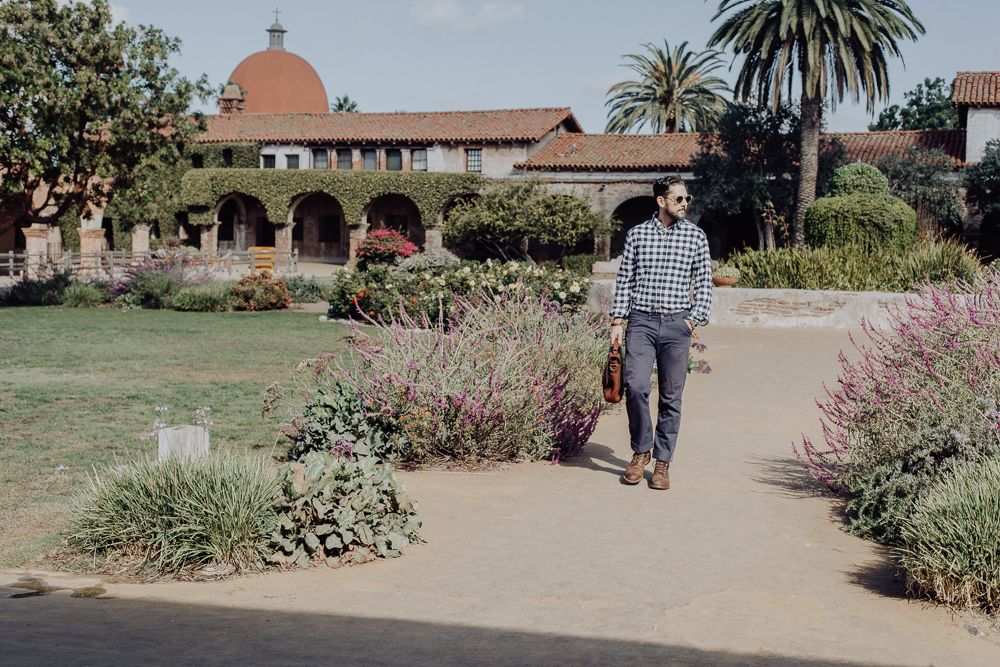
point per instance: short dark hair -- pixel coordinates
(661, 185)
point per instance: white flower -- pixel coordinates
(467, 270)
(489, 263)
(427, 276)
(574, 289)
(556, 285)
(562, 295)
(388, 285)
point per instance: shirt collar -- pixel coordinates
(655, 221)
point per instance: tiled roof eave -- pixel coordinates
(598, 167)
(375, 140)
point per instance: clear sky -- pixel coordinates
(446, 55)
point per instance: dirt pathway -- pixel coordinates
(743, 561)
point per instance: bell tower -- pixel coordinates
(277, 41)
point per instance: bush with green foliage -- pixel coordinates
(260, 291)
(509, 213)
(582, 264)
(858, 178)
(982, 190)
(334, 420)
(180, 512)
(509, 376)
(950, 543)
(921, 401)
(47, 291)
(431, 258)
(922, 178)
(871, 222)
(726, 271)
(378, 292)
(213, 297)
(86, 294)
(154, 282)
(855, 270)
(347, 511)
(303, 290)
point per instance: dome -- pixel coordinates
(280, 82)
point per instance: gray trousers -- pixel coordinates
(665, 339)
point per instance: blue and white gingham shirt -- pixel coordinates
(657, 267)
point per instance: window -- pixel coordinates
(320, 159)
(268, 161)
(298, 231)
(329, 229)
(227, 157)
(344, 159)
(394, 160)
(197, 161)
(474, 159)
(292, 161)
(419, 159)
(369, 159)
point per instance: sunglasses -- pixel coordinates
(679, 199)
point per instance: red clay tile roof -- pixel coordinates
(976, 89)
(870, 146)
(615, 152)
(446, 126)
(673, 152)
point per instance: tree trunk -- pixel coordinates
(765, 234)
(812, 110)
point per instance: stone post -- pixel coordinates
(91, 243)
(602, 247)
(358, 235)
(36, 248)
(283, 246)
(210, 238)
(140, 240)
(432, 238)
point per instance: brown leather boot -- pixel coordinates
(661, 476)
(635, 470)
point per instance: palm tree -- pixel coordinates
(674, 94)
(343, 105)
(837, 47)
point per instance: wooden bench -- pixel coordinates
(261, 257)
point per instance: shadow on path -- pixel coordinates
(883, 575)
(788, 476)
(596, 456)
(60, 630)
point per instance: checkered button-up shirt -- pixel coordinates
(657, 267)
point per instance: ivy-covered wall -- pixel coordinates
(277, 189)
(244, 155)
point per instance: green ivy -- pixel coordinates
(277, 189)
(245, 155)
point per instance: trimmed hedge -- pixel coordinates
(858, 178)
(866, 221)
(276, 189)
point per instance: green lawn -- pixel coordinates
(78, 387)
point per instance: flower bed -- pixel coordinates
(379, 292)
(510, 376)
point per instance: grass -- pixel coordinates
(78, 387)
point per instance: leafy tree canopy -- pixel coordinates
(675, 92)
(510, 212)
(982, 180)
(750, 164)
(928, 107)
(918, 177)
(85, 106)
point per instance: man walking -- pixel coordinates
(653, 292)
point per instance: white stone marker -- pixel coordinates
(184, 441)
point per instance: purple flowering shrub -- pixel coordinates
(154, 282)
(921, 402)
(509, 377)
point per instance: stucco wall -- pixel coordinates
(983, 125)
(280, 151)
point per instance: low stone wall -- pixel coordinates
(779, 309)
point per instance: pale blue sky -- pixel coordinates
(441, 55)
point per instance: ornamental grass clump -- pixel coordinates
(508, 376)
(180, 512)
(922, 401)
(950, 544)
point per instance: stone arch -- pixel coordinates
(320, 232)
(396, 211)
(631, 212)
(240, 222)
